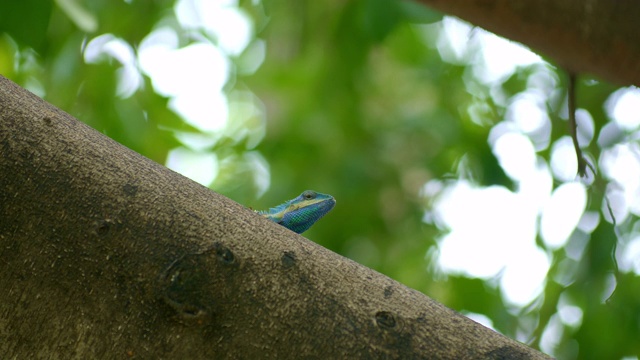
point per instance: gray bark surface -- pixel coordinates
(108, 255)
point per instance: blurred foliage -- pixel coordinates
(359, 107)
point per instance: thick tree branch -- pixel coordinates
(596, 37)
(106, 254)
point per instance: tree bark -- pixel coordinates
(596, 37)
(106, 254)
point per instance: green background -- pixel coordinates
(355, 106)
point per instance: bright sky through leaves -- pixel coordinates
(490, 232)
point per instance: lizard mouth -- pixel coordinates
(328, 205)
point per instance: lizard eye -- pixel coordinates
(308, 195)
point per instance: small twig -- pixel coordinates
(613, 248)
(615, 229)
(583, 164)
(573, 127)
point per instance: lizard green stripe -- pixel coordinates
(300, 213)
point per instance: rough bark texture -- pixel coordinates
(596, 37)
(106, 254)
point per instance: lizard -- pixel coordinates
(300, 213)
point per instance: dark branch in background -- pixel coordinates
(582, 168)
(573, 128)
(597, 38)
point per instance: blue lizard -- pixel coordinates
(300, 213)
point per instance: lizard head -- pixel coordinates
(306, 209)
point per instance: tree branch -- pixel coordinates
(597, 37)
(106, 254)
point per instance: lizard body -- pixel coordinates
(300, 213)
